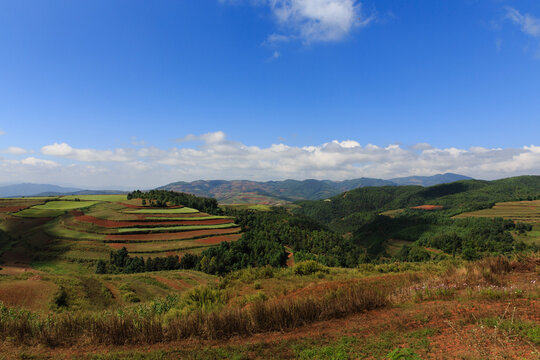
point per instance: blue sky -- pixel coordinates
(92, 89)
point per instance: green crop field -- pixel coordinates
(39, 213)
(64, 205)
(524, 211)
(176, 228)
(187, 218)
(108, 198)
(54, 208)
(184, 210)
(58, 231)
(258, 207)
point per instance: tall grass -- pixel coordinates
(65, 329)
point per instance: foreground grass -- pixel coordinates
(67, 329)
(452, 309)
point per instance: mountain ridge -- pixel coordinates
(278, 192)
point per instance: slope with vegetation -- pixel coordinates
(325, 279)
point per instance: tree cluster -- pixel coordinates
(121, 263)
(164, 198)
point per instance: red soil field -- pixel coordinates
(118, 224)
(428, 207)
(171, 236)
(12, 208)
(218, 239)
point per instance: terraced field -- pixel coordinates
(518, 211)
(56, 241)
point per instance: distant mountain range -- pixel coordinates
(245, 191)
(276, 192)
(27, 189)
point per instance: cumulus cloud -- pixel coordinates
(312, 20)
(32, 161)
(87, 155)
(14, 150)
(529, 24)
(214, 156)
(318, 20)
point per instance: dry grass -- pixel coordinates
(67, 329)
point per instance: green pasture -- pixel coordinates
(168, 246)
(523, 211)
(110, 211)
(54, 208)
(57, 230)
(64, 205)
(187, 218)
(38, 213)
(184, 210)
(258, 207)
(108, 198)
(176, 228)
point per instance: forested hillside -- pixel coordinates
(455, 197)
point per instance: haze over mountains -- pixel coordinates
(28, 189)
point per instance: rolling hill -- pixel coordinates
(278, 192)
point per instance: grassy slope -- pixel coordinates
(478, 314)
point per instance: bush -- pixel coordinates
(204, 298)
(310, 267)
(60, 298)
(130, 296)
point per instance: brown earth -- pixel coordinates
(218, 239)
(427, 207)
(15, 208)
(31, 294)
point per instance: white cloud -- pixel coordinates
(312, 20)
(213, 156)
(32, 161)
(14, 150)
(87, 155)
(2, 132)
(422, 146)
(317, 20)
(529, 24)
